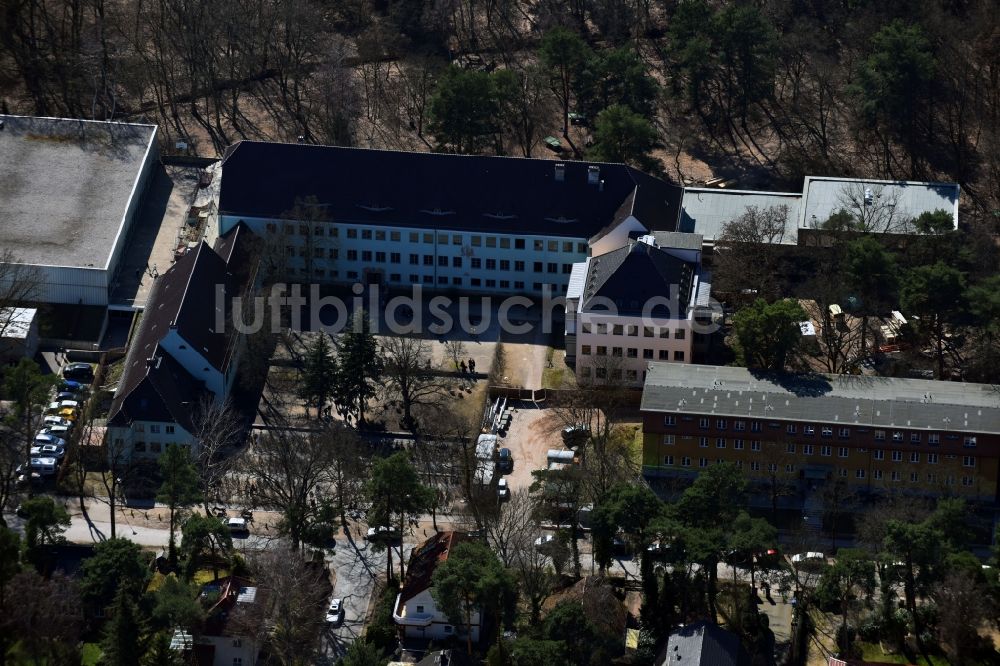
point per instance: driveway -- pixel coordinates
(355, 568)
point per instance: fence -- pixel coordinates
(629, 398)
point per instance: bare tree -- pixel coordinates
(119, 469)
(217, 429)
(282, 471)
(348, 468)
(747, 250)
(412, 377)
(20, 283)
(963, 610)
(534, 573)
(511, 525)
(287, 617)
(455, 350)
(869, 208)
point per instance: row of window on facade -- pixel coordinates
(442, 261)
(969, 441)
(413, 237)
(824, 450)
(442, 280)
(617, 373)
(154, 428)
(631, 352)
(859, 473)
(632, 331)
(153, 447)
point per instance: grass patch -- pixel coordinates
(113, 372)
(203, 576)
(90, 655)
(557, 375)
(873, 652)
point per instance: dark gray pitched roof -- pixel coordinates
(183, 297)
(632, 276)
(848, 399)
(459, 192)
(703, 644)
(164, 392)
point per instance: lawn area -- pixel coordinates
(873, 652)
(90, 655)
(557, 374)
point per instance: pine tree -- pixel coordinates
(318, 371)
(359, 368)
(123, 643)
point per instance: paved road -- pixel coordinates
(356, 567)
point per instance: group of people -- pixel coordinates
(470, 368)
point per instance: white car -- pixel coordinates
(52, 420)
(335, 614)
(503, 490)
(544, 540)
(56, 431)
(36, 451)
(237, 525)
(382, 532)
(811, 555)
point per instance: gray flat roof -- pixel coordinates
(705, 211)
(65, 186)
(822, 197)
(848, 399)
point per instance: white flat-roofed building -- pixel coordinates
(70, 192)
(881, 206)
(18, 333)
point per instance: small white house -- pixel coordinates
(416, 614)
(18, 334)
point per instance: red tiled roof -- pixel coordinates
(424, 560)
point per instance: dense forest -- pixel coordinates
(760, 92)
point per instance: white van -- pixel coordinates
(237, 525)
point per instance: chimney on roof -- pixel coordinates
(560, 172)
(593, 174)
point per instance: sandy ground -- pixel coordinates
(532, 433)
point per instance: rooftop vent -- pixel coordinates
(560, 172)
(593, 174)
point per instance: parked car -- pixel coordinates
(53, 420)
(70, 385)
(238, 526)
(79, 372)
(382, 532)
(505, 461)
(56, 431)
(41, 439)
(503, 490)
(53, 451)
(335, 613)
(805, 557)
(35, 451)
(574, 436)
(544, 540)
(67, 395)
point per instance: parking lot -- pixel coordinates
(532, 433)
